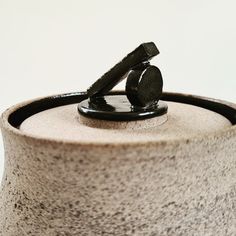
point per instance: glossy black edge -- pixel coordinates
(22, 113)
(223, 109)
(123, 116)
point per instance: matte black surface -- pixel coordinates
(144, 86)
(117, 73)
(118, 108)
(17, 117)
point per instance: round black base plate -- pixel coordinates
(118, 108)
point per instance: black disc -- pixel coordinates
(118, 108)
(144, 86)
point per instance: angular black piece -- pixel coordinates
(117, 73)
(144, 86)
(118, 108)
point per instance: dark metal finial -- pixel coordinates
(143, 89)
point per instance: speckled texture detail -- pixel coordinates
(176, 187)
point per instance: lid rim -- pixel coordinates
(8, 123)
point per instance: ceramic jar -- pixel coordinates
(174, 175)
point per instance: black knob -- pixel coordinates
(117, 73)
(143, 89)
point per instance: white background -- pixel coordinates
(53, 46)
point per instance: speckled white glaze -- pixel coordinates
(182, 186)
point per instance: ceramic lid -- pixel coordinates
(183, 120)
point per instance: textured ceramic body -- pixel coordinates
(181, 187)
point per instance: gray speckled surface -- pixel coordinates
(179, 187)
